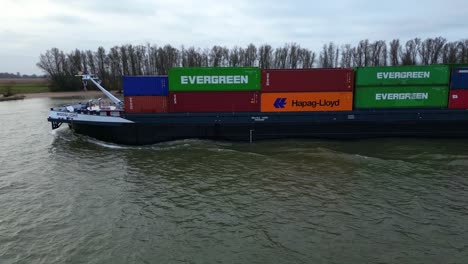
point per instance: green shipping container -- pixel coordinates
(214, 79)
(455, 65)
(401, 97)
(403, 75)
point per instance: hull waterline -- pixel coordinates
(141, 129)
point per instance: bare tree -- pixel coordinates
(450, 52)
(265, 56)
(346, 56)
(101, 62)
(281, 57)
(394, 52)
(294, 55)
(430, 50)
(140, 54)
(378, 51)
(57, 65)
(308, 59)
(133, 60)
(52, 61)
(115, 62)
(91, 61)
(74, 62)
(234, 57)
(250, 55)
(194, 58)
(463, 46)
(219, 56)
(323, 58)
(329, 56)
(84, 61)
(168, 57)
(115, 68)
(410, 53)
(362, 54)
(365, 51)
(125, 60)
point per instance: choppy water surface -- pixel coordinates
(66, 198)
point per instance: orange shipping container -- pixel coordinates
(307, 102)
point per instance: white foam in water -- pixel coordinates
(68, 135)
(176, 144)
(62, 134)
(159, 146)
(108, 145)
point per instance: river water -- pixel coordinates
(66, 198)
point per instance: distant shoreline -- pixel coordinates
(21, 96)
(12, 98)
(62, 94)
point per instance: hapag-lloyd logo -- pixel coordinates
(279, 103)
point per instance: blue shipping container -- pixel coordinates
(145, 85)
(459, 78)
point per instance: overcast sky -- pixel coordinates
(30, 27)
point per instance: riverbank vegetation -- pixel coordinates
(10, 86)
(110, 65)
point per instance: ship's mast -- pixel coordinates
(92, 78)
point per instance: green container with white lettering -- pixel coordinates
(434, 75)
(401, 97)
(214, 79)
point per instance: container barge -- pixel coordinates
(246, 104)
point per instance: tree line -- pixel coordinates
(149, 59)
(7, 75)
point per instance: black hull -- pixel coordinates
(154, 128)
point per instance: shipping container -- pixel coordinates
(458, 99)
(307, 80)
(307, 102)
(214, 79)
(459, 79)
(401, 97)
(145, 85)
(146, 104)
(456, 65)
(214, 102)
(433, 75)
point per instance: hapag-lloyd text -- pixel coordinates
(314, 104)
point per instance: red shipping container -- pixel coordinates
(308, 80)
(146, 104)
(458, 99)
(214, 102)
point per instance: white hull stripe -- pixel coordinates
(89, 118)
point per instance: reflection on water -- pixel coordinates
(70, 198)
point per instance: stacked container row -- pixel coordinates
(146, 94)
(209, 89)
(402, 87)
(307, 90)
(237, 89)
(459, 88)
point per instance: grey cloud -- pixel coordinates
(209, 22)
(67, 19)
(120, 7)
